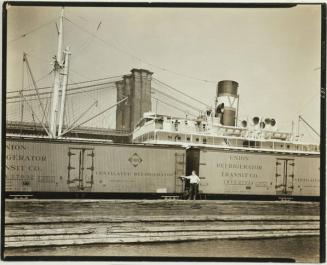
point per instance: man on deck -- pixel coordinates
(194, 185)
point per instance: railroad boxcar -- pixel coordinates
(70, 169)
(252, 173)
(49, 167)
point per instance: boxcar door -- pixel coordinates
(284, 176)
(80, 169)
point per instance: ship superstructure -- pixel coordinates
(219, 128)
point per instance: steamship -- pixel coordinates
(219, 128)
(250, 159)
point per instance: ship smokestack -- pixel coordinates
(228, 98)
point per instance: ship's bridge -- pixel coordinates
(207, 131)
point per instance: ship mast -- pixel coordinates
(63, 91)
(56, 87)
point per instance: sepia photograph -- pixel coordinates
(163, 132)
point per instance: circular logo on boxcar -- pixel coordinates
(135, 160)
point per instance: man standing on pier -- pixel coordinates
(194, 185)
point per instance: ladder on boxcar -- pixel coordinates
(179, 171)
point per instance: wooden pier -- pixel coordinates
(37, 223)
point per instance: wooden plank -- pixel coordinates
(156, 237)
(50, 208)
(150, 224)
(139, 227)
(165, 218)
(105, 232)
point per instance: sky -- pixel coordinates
(273, 53)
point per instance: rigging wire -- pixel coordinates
(313, 134)
(70, 89)
(33, 30)
(73, 112)
(34, 85)
(136, 57)
(29, 87)
(86, 44)
(21, 97)
(93, 117)
(82, 47)
(70, 84)
(68, 94)
(302, 107)
(18, 91)
(45, 115)
(177, 100)
(30, 54)
(175, 89)
(67, 112)
(65, 120)
(187, 113)
(111, 124)
(24, 35)
(307, 102)
(77, 77)
(84, 77)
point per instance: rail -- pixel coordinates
(168, 137)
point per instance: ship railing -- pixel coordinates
(224, 141)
